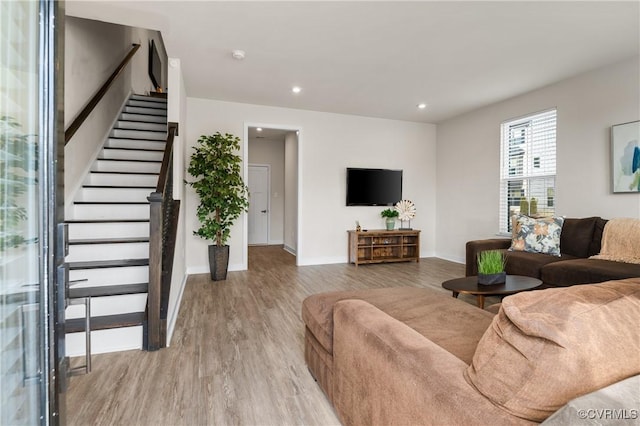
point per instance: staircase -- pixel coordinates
(109, 232)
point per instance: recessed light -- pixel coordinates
(238, 54)
(422, 106)
(259, 129)
(296, 89)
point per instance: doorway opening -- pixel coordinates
(272, 175)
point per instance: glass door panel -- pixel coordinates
(24, 283)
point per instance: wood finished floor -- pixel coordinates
(236, 357)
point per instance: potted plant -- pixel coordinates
(390, 216)
(491, 265)
(222, 192)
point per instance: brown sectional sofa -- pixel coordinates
(580, 239)
(405, 356)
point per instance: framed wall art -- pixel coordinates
(625, 157)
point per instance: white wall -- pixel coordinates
(469, 148)
(177, 113)
(92, 51)
(271, 152)
(328, 144)
(291, 192)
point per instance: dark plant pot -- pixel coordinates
(491, 279)
(218, 262)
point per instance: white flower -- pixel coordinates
(406, 209)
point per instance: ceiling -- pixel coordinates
(267, 133)
(381, 59)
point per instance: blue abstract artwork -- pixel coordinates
(625, 155)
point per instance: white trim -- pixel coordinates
(323, 261)
(268, 166)
(275, 242)
(176, 309)
(288, 249)
(245, 159)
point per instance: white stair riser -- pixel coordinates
(144, 117)
(114, 194)
(148, 98)
(126, 166)
(104, 341)
(138, 125)
(147, 104)
(136, 134)
(110, 305)
(136, 144)
(110, 211)
(109, 276)
(108, 230)
(146, 111)
(87, 252)
(115, 179)
(130, 154)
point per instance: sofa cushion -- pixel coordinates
(537, 235)
(596, 244)
(450, 323)
(586, 271)
(530, 264)
(547, 347)
(608, 406)
(577, 235)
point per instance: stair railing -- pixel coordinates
(163, 226)
(77, 122)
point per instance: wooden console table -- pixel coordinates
(381, 246)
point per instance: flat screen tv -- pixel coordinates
(155, 66)
(373, 187)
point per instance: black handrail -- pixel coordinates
(77, 122)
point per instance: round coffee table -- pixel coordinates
(469, 285)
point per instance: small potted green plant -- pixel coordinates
(222, 193)
(491, 265)
(390, 216)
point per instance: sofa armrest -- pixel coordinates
(476, 246)
(386, 373)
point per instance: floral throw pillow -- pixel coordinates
(537, 235)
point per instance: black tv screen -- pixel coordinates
(373, 187)
(155, 65)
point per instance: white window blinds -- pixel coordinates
(527, 167)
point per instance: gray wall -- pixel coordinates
(468, 150)
(93, 49)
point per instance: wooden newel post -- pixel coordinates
(155, 272)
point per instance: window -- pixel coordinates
(527, 167)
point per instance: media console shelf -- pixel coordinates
(380, 246)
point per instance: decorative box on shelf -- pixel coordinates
(381, 246)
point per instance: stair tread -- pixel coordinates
(136, 121)
(137, 139)
(129, 159)
(123, 240)
(106, 322)
(96, 264)
(124, 173)
(105, 220)
(139, 130)
(120, 186)
(108, 290)
(84, 203)
(134, 149)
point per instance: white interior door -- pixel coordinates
(258, 204)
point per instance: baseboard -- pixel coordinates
(290, 250)
(450, 259)
(322, 261)
(176, 309)
(204, 269)
(276, 242)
